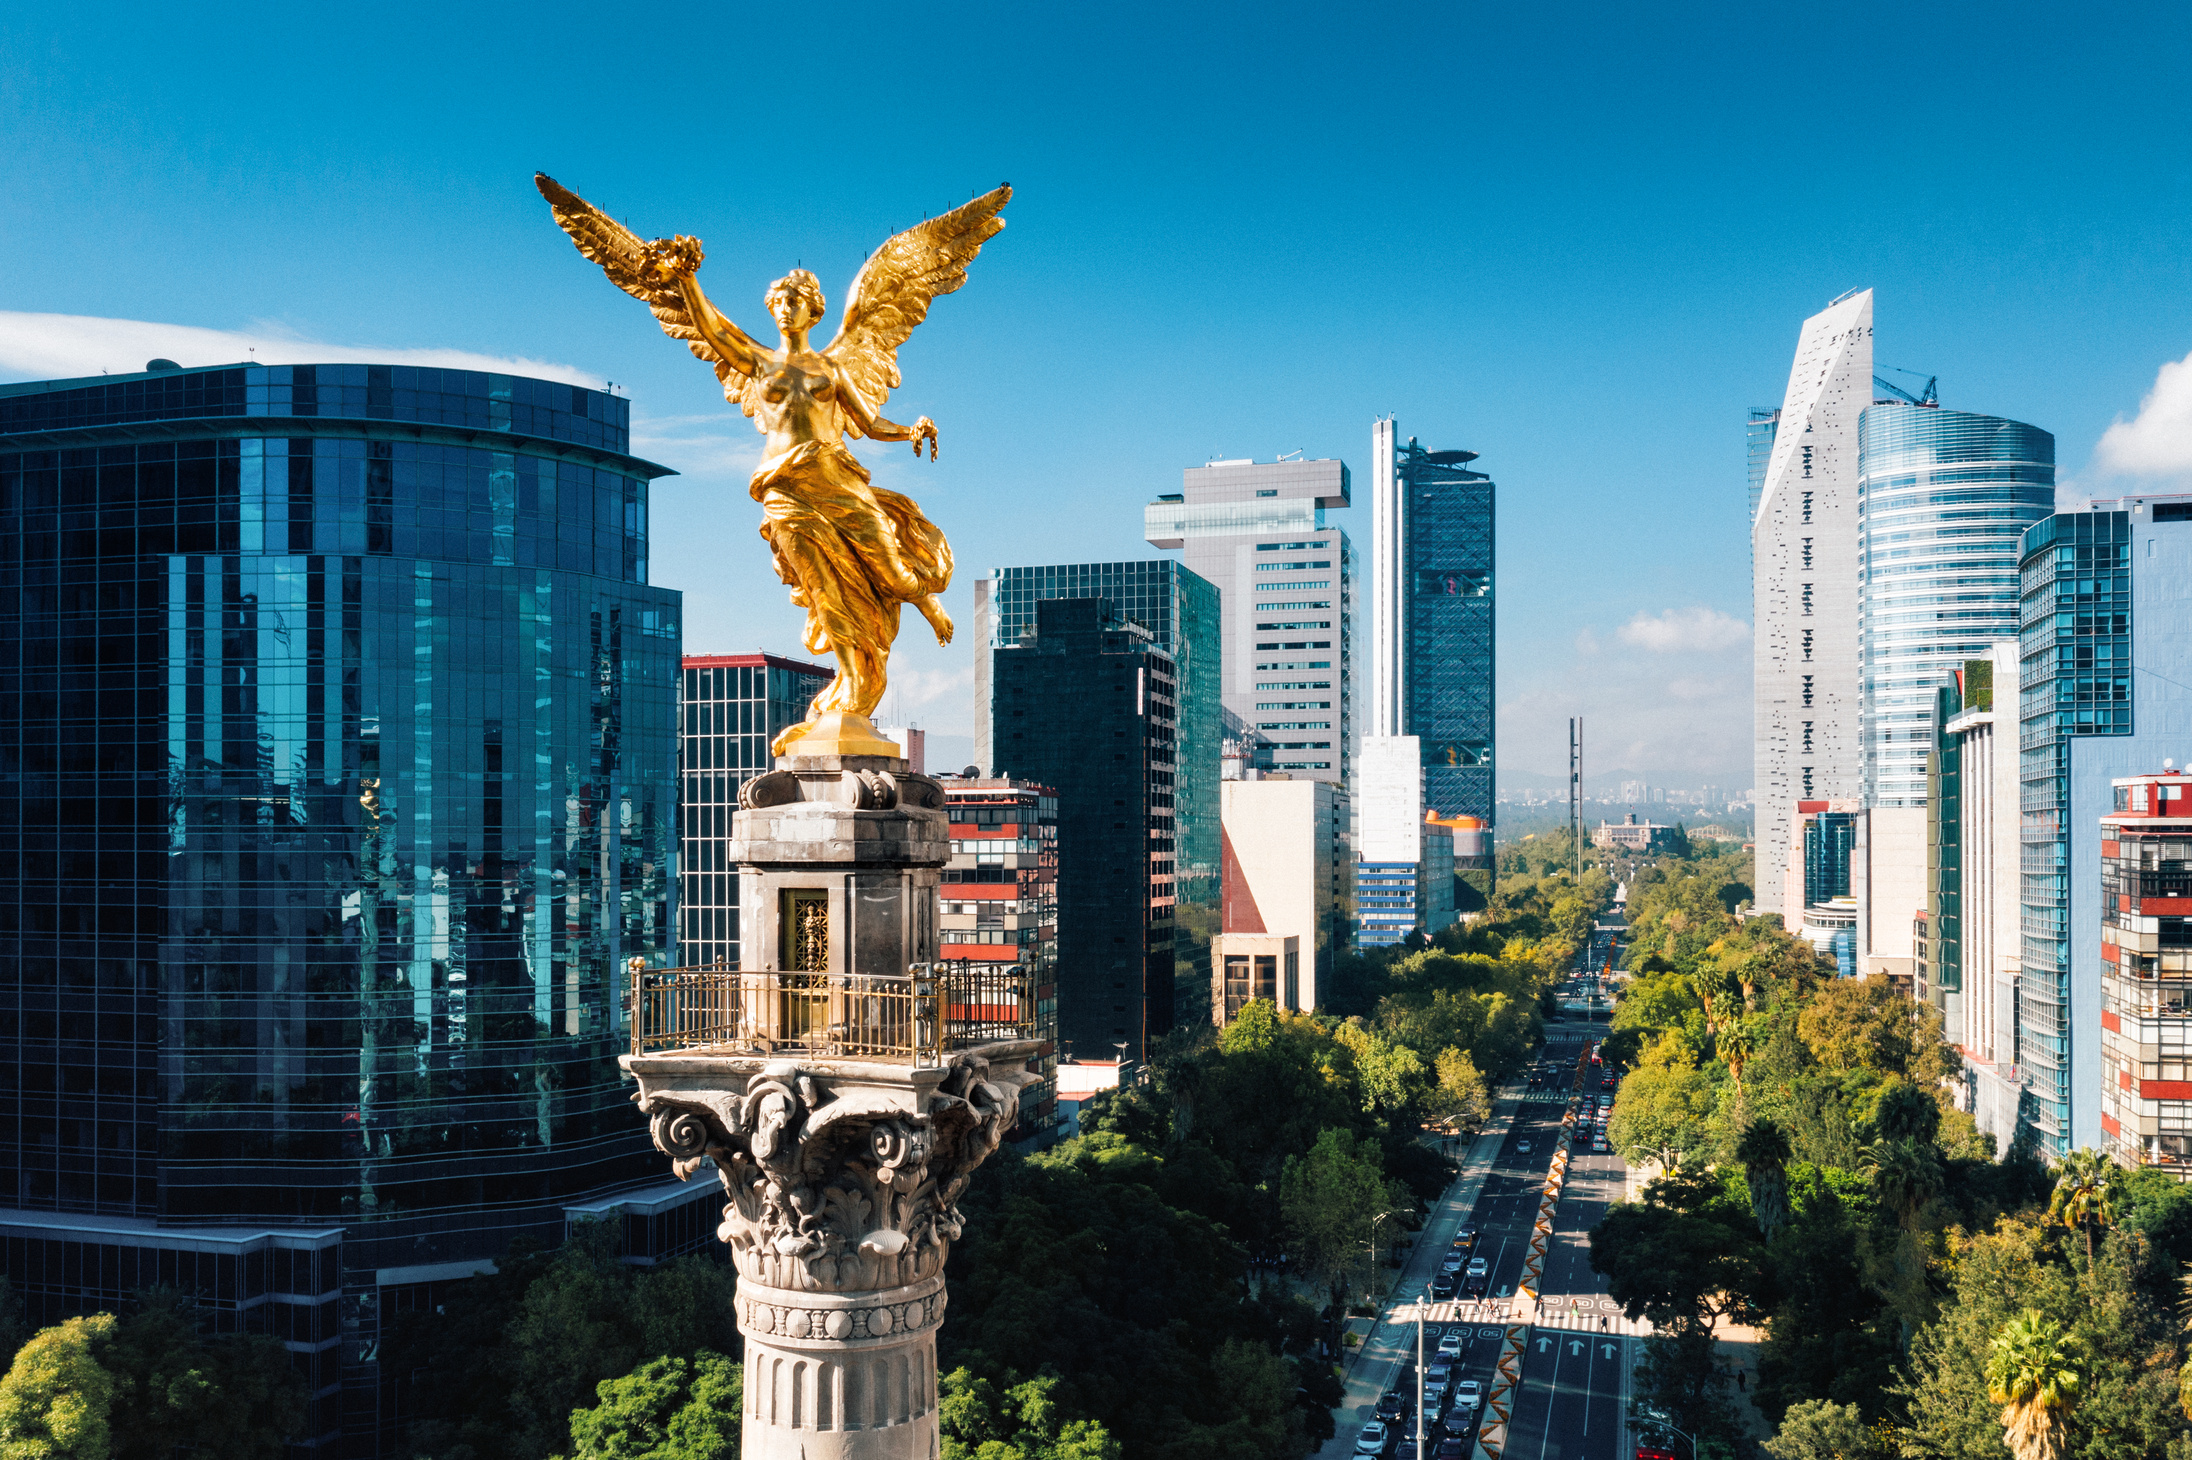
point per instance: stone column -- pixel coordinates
(843, 1165)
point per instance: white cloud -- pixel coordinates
(2158, 441)
(63, 346)
(1697, 629)
(721, 443)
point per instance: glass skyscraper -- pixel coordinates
(1180, 609)
(338, 725)
(1943, 498)
(2074, 634)
(1172, 611)
(1116, 752)
(1432, 661)
(734, 705)
(1285, 581)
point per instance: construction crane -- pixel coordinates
(1929, 395)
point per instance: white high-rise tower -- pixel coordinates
(1804, 593)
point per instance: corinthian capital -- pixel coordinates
(842, 1176)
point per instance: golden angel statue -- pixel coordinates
(851, 551)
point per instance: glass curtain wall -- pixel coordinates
(1943, 498)
(340, 791)
(2074, 643)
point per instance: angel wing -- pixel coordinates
(623, 257)
(894, 288)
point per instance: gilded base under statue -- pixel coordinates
(833, 734)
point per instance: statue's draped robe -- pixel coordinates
(871, 549)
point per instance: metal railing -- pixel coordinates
(935, 1007)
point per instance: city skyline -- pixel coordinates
(1526, 341)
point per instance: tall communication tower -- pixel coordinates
(1575, 789)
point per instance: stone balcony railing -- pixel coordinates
(918, 1019)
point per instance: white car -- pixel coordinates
(1468, 1394)
(1478, 1267)
(1450, 1346)
(1372, 1439)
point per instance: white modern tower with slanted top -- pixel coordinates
(1804, 589)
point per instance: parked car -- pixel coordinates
(1450, 1346)
(1374, 1439)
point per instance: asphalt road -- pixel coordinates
(1575, 1371)
(1571, 1400)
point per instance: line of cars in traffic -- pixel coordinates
(1462, 1272)
(1452, 1405)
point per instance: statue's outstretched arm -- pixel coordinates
(725, 338)
(874, 427)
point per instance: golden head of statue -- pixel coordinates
(851, 552)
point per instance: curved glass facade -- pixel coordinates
(1943, 498)
(337, 784)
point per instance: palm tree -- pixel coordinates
(2031, 1372)
(1764, 1152)
(1905, 1175)
(2087, 1194)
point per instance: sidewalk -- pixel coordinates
(1391, 1342)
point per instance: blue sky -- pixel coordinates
(1578, 241)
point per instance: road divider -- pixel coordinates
(1507, 1371)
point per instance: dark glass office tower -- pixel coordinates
(337, 789)
(1432, 661)
(1089, 703)
(1179, 610)
(734, 705)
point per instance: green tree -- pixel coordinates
(2032, 1373)
(496, 1373)
(1461, 1094)
(2122, 1341)
(1024, 1422)
(1679, 1269)
(56, 1400)
(666, 1409)
(1764, 1152)
(1391, 1076)
(236, 1395)
(1819, 1429)
(1905, 1175)
(1329, 1199)
(1078, 1268)
(13, 1331)
(2088, 1194)
(1660, 1115)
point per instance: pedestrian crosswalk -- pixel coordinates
(1545, 1097)
(1592, 1317)
(1553, 1313)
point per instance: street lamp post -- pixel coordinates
(1670, 1429)
(1375, 1295)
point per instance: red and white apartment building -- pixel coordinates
(2146, 971)
(1000, 907)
